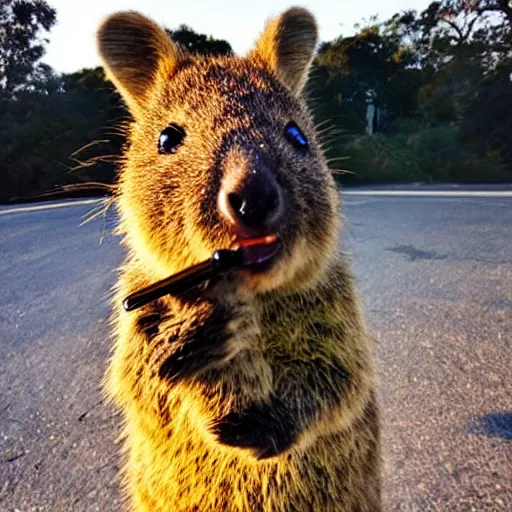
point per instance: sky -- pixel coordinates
(72, 40)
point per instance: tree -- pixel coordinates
(64, 132)
(22, 27)
(487, 125)
(501, 7)
(479, 31)
(200, 43)
(443, 78)
(369, 67)
(460, 46)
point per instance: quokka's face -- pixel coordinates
(223, 153)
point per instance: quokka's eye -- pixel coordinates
(171, 138)
(296, 138)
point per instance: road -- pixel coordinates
(435, 274)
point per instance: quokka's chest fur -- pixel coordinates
(316, 449)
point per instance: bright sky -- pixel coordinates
(72, 45)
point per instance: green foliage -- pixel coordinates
(41, 133)
(22, 23)
(442, 81)
(487, 124)
(370, 66)
(429, 155)
(200, 43)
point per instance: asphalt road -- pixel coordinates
(435, 273)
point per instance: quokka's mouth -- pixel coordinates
(254, 254)
(260, 253)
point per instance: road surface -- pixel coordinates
(435, 273)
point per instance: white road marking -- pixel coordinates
(354, 201)
(429, 193)
(50, 206)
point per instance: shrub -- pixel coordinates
(430, 155)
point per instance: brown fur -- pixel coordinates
(283, 347)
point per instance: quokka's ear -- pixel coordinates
(287, 45)
(135, 51)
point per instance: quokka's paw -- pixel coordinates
(262, 428)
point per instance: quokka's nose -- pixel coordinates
(253, 202)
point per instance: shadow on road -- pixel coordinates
(495, 424)
(416, 254)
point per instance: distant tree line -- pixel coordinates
(420, 97)
(433, 88)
